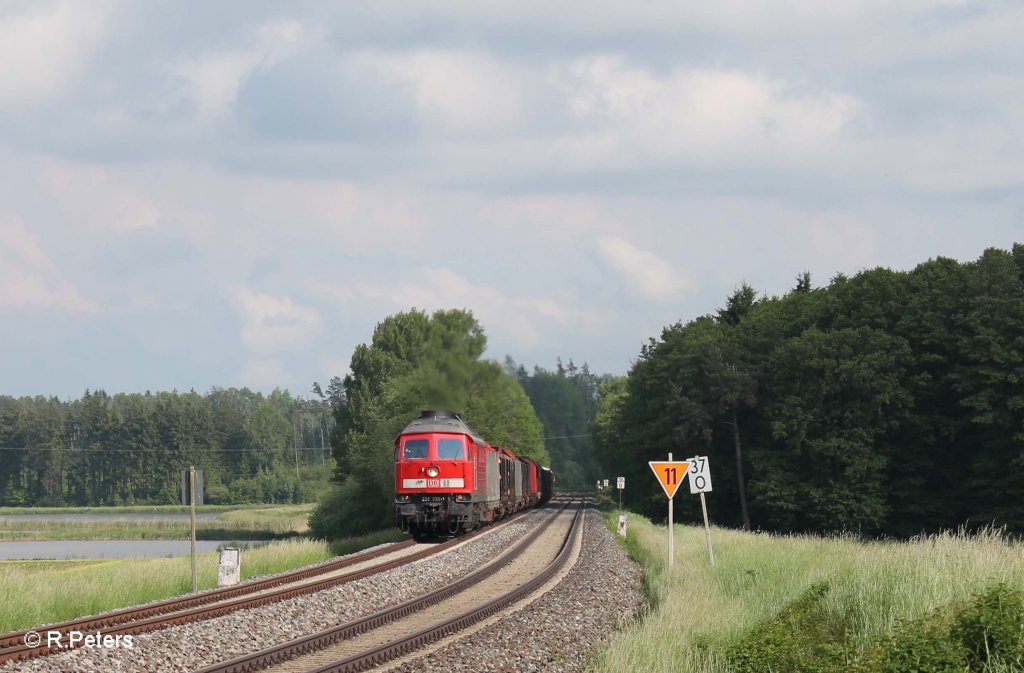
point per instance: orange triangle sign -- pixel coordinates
(670, 474)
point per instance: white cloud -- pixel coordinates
(274, 324)
(521, 320)
(459, 91)
(94, 199)
(43, 50)
(646, 275)
(697, 115)
(214, 79)
(28, 277)
(264, 374)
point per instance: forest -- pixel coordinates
(888, 403)
(129, 449)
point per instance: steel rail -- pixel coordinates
(177, 611)
(402, 646)
(105, 619)
(318, 641)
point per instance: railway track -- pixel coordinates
(19, 645)
(399, 630)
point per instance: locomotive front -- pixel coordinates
(437, 485)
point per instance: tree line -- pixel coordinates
(126, 449)
(890, 402)
(565, 401)
(130, 448)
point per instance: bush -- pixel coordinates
(348, 511)
(800, 639)
(991, 628)
(987, 634)
(917, 646)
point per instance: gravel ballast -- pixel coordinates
(560, 631)
(555, 633)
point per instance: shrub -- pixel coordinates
(917, 646)
(800, 639)
(991, 627)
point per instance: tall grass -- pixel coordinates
(698, 613)
(41, 592)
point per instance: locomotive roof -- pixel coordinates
(443, 421)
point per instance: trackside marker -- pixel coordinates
(670, 475)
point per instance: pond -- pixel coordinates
(90, 549)
(111, 517)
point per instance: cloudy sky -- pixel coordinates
(234, 193)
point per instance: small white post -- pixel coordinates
(192, 500)
(671, 531)
(707, 528)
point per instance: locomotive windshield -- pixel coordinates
(450, 449)
(416, 448)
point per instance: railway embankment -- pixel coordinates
(950, 602)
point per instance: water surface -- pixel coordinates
(90, 549)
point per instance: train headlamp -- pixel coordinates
(432, 471)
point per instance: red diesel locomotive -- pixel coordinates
(448, 479)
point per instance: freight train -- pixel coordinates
(449, 480)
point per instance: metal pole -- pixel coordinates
(671, 530)
(707, 528)
(192, 498)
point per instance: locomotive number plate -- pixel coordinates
(433, 483)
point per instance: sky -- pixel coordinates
(198, 194)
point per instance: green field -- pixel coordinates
(257, 522)
(799, 603)
(40, 592)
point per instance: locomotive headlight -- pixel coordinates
(403, 498)
(462, 497)
(432, 471)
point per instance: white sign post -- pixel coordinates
(700, 482)
(229, 570)
(620, 484)
(669, 474)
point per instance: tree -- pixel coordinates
(834, 400)
(414, 362)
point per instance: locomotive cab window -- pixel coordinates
(449, 449)
(416, 448)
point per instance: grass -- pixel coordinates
(41, 592)
(234, 523)
(828, 591)
(350, 545)
(126, 509)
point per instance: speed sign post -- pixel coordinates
(670, 475)
(700, 482)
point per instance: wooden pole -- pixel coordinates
(192, 498)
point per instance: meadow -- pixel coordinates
(231, 523)
(949, 602)
(33, 593)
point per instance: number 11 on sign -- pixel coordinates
(670, 474)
